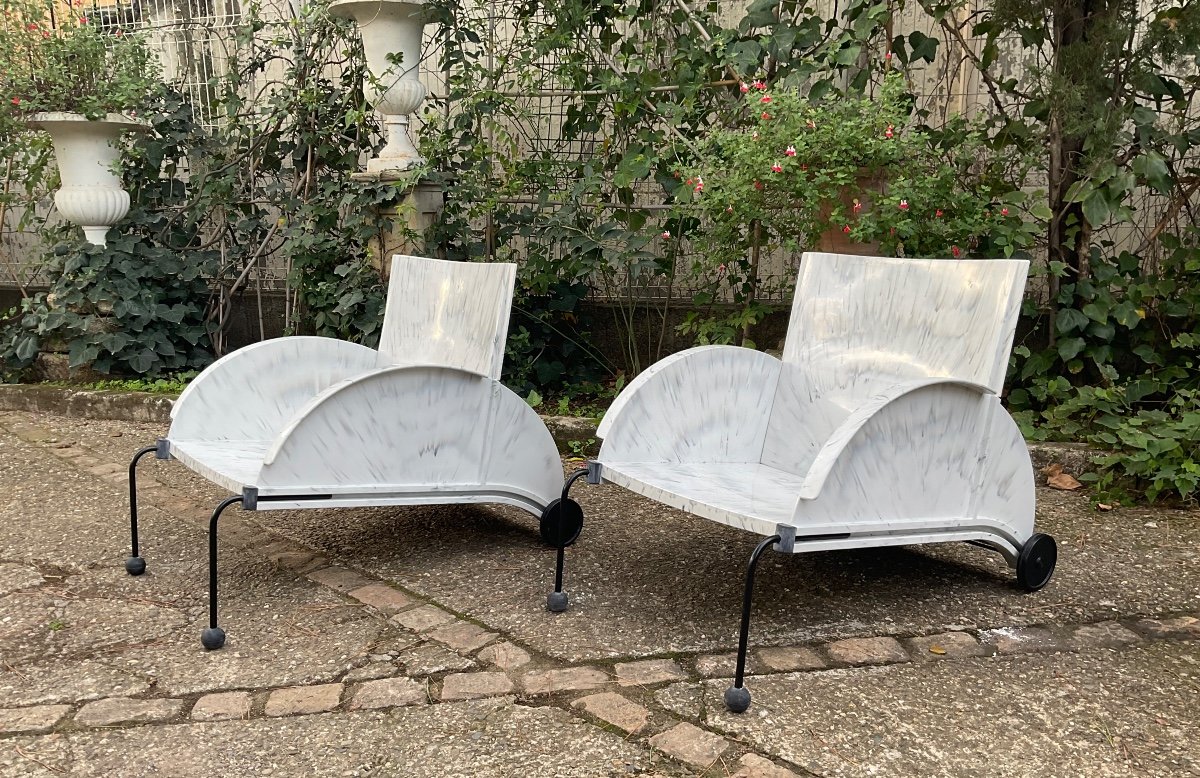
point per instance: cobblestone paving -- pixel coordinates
(338, 665)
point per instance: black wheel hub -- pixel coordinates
(1036, 562)
(562, 521)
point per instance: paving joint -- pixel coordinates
(664, 731)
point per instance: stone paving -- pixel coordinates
(414, 641)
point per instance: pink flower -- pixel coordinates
(666, 235)
(45, 34)
(1004, 212)
(699, 187)
(857, 205)
(956, 251)
(729, 209)
(777, 168)
(888, 56)
(689, 182)
(938, 213)
(791, 151)
(764, 99)
(31, 27)
(904, 205)
(888, 133)
(83, 20)
(16, 101)
(721, 269)
(765, 115)
(760, 85)
(743, 88)
(846, 229)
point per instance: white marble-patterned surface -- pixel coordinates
(881, 422)
(706, 404)
(425, 422)
(251, 393)
(907, 318)
(448, 313)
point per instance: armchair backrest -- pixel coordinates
(906, 318)
(448, 313)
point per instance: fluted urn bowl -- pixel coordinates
(86, 149)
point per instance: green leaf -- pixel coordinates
(1068, 348)
(1069, 320)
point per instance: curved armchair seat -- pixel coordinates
(750, 496)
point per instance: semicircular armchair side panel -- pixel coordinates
(706, 405)
(448, 313)
(905, 318)
(426, 428)
(251, 393)
(921, 460)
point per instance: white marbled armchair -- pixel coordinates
(309, 422)
(881, 425)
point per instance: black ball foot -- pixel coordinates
(213, 638)
(135, 565)
(1035, 564)
(737, 699)
(562, 521)
(556, 602)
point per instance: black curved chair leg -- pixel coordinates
(567, 520)
(737, 697)
(135, 565)
(214, 637)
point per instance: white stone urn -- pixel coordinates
(391, 33)
(91, 194)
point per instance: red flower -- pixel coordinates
(666, 235)
(16, 101)
(760, 85)
(791, 151)
(846, 229)
(904, 205)
(888, 133)
(31, 27)
(811, 124)
(83, 20)
(766, 115)
(45, 34)
(777, 168)
(758, 184)
(888, 56)
(938, 213)
(729, 209)
(857, 205)
(956, 251)
(764, 99)
(1004, 212)
(743, 88)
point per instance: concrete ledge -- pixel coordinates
(1076, 458)
(86, 403)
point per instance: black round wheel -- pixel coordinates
(562, 521)
(1035, 564)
